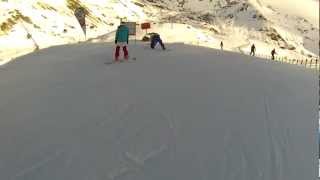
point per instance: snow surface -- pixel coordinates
(189, 113)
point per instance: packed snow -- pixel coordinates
(182, 114)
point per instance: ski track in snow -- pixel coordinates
(38, 165)
(139, 162)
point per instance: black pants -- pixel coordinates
(155, 41)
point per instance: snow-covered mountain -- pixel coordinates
(28, 25)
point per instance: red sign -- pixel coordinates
(145, 26)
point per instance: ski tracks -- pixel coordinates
(137, 163)
(276, 155)
(38, 165)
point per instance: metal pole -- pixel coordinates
(33, 40)
(171, 19)
(306, 62)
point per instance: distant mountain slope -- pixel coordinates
(256, 20)
(28, 25)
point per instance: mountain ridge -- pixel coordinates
(239, 23)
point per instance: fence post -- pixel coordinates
(306, 62)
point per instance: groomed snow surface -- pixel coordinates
(189, 113)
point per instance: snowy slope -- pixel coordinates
(185, 114)
(303, 8)
(52, 22)
(238, 23)
(252, 21)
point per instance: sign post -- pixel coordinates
(145, 26)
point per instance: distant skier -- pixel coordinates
(253, 50)
(273, 52)
(155, 39)
(122, 40)
(221, 45)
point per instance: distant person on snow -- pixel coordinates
(155, 39)
(221, 45)
(253, 50)
(273, 52)
(122, 40)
